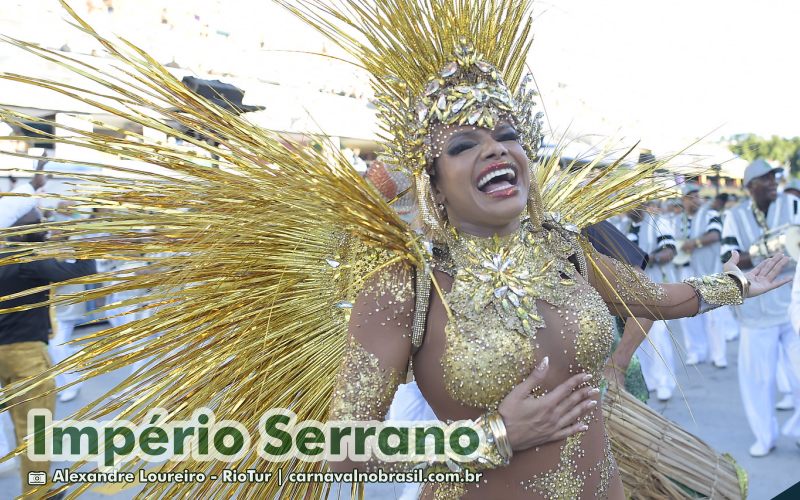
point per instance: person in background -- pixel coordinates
(765, 323)
(724, 318)
(24, 334)
(66, 318)
(786, 401)
(719, 202)
(14, 207)
(793, 189)
(699, 229)
(654, 236)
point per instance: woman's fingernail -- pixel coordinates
(592, 404)
(584, 427)
(544, 363)
(587, 377)
(594, 391)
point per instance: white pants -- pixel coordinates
(758, 358)
(657, 357)
(726, 321)
(410, 405)
(783, 380)
(60, 351)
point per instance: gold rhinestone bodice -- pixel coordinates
(514, 300)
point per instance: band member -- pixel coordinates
(765, 323)
(653, 234)
(700, 229)
(724, 319)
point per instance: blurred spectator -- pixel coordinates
(14, 207)
(24, 334)
(720, 201)
(793, 188)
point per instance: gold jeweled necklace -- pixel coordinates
(506, 275)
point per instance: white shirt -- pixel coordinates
(704, 260)
(739, 231)
(653, 234)
(14, 207)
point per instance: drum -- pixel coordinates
(784, 239)
(681, 258)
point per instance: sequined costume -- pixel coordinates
(283, 267)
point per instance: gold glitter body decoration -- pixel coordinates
(364, 389)
(515, 299)
(499, 286)
(633, 285)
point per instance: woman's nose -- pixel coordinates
(494, 149)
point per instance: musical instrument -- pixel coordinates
(681, 258)
(781, 240)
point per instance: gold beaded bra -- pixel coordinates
(508, 294)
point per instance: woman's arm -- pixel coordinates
(629, 292)
(377, 352)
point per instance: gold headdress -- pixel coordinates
(440, 62)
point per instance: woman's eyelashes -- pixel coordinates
(510, 135)
(459, 147)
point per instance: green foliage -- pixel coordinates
(751, 146)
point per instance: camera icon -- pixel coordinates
(36, 478)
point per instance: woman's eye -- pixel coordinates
(509, 136)
(459, 147)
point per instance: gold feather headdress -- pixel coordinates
(455, 62)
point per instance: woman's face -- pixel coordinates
(482, 178)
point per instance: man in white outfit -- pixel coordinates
(699, 230)
(654, 235)
(786, 403)
(765, 323)
(723, 316)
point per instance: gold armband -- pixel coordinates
(717, 290)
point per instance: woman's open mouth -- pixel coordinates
(498, 180)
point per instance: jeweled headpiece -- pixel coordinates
(467, 91)
(449, 62)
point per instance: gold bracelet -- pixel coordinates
(490, 455)
(498, 428)
(744, 283)
(698, 243)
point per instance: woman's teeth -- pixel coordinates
(494, 174)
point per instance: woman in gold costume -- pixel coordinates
(287, 267)
(518, 329)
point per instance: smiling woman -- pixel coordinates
(481, 178)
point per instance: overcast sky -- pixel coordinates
(669, 71)
(663, 72)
